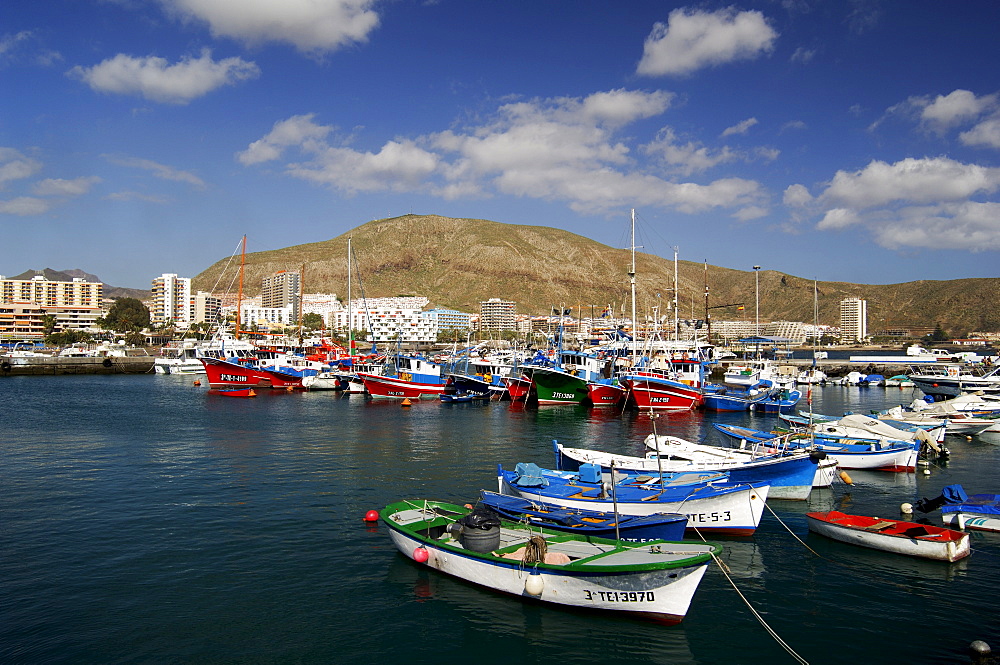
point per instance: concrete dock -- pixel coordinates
(50, 365)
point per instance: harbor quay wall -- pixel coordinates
(832, 368)
(49, 366)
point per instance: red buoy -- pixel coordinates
(420, 555)
(371, 516)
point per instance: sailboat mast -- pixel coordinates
(350, 327)
(239, 293)
(631, 275)
(302, 288)
(677, 323)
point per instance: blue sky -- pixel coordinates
(846, 141)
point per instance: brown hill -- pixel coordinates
(458, 263)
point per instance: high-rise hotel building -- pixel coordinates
(282, 290)
(171, 299)
(853, 320)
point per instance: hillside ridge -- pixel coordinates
(459, 262)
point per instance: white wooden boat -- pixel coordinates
(897, 536)
(673, 447)
(654, 580)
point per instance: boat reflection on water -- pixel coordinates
(743, 558)
(500, 617)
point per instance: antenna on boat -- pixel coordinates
(614, 499)
(659, 462)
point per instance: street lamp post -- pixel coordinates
(756, 280)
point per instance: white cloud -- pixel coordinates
(399, 166)
(986, 133)
(838, 218)
(969, 225)
(311, 26)
(931, 202)
(60, 187)
(687, 158)
(910, 180)
(560, 149)
(797, 196)
(955, 108)
(24, 206)
(693, 39)
(740, 127)
(136, 196)
(803, 55)
(158, 170)
(15, 166)
(620, 107)
(154, 78)
(299, 130)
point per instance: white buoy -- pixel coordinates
(534, 584)
(906, 509)
(927, 472)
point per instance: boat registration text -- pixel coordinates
(619, 596)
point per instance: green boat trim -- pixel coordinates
(432, 530)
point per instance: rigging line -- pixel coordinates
(777, 638)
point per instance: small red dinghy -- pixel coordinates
(901, 537)
(236, 392)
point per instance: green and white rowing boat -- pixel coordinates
(653, 580)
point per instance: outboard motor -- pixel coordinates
(929, 505)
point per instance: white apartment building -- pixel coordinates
(171, 300)
(253, 315)
(449, 319)
(853, 320)
(497, 314)
(76, 305)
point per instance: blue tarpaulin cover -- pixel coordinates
(529, 475)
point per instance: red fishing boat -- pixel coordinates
(653, 390)
(390, 387)
(225, 374)
(518, 387)
(605, 394)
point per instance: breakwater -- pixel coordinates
(833, 368)
(49, 365)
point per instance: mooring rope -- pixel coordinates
(777, 638)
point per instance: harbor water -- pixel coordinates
(146, 520)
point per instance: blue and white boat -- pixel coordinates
(850, 453)
(710, 501)
(632, 528)
(790, 474)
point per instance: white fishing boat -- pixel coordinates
(654, 580)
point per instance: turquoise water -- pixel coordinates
(145, 520)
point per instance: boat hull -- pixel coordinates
(735, 513)
(387, 387)
(551, 386)
(910, 539)
(224, 374)
(970, 520)
(655, 582)
(518, 388)
(605, 394)
(651, 392)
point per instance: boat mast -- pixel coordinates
(631, 276)
(350, 328)
(677, 323)
(239, 293)
(302, 288)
